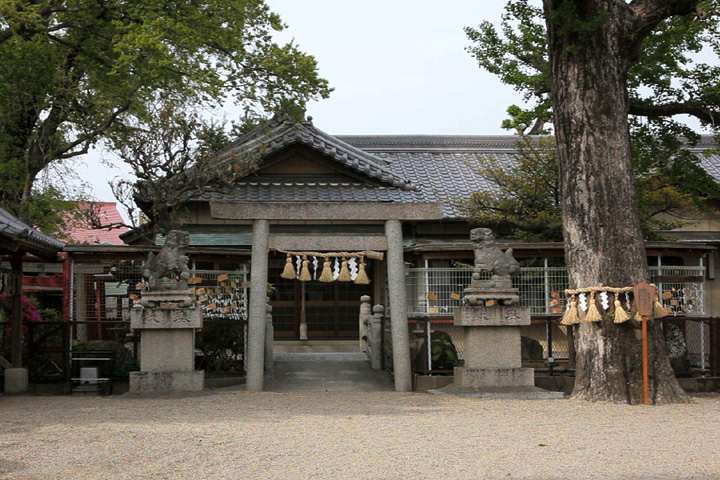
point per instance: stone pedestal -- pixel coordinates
(492, 347)
(16, 380)
(493, 362)
(167, 349)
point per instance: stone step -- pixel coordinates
(321, 357)
(87, 389)
(317, 346)
(315, 342)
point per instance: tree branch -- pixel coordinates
(64, 152)
(698, 111)
(649, 13)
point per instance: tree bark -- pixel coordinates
(603, 239)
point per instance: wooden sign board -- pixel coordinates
(644, 294)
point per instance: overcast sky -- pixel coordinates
(397, 66)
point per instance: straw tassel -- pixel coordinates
(593, 314)
(344, 272)
(305, 272)
(658, 310)
(326, 275)
(362, 278)
(621, 316)
(289, 272)
(571, 315)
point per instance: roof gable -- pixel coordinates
(267, 140)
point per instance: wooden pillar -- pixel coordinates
(258, 302)
(398, 306)
(15, 303)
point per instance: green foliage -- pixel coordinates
(221, 343)
(666, 78)
(518, 56)
(444, 354)
(668, 73)
(525, 201)
(73, 71)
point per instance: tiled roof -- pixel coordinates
(26, 237)
(108, 214)
(442, 168)
(711, 165)
(312, 191)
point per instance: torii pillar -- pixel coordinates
(258, 305)
(398, 306)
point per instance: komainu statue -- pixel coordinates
(168, 270)
(501, 265)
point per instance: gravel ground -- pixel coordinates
(375, 435)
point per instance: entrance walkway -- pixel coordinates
(326, 372)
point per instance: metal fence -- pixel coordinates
(702, 338)
(682, 289)
(102, 293)
(435, 292)
(547, 344)
(53, 353)
(544, 343)
(107, 290)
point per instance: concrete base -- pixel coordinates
(566, 383)
(700, 384)
(495, 348)
(494, 377)
(16, 380)
(167, 350)
(156, 382)
(555, 383)
(517, 393)
(423, 383)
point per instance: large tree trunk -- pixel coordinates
(603, 240)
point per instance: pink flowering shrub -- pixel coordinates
(30, 312)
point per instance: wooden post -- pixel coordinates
(646, 381)
(644, 294)
(15, 303)
(303, 313)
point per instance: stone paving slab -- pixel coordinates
(325, 372)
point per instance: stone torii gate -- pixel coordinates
(392, 214)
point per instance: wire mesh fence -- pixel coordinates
(103, 292)
(53, 353)
(436, 292)
(543, 343)
(682, 289)
(220, 347)
(701, 336)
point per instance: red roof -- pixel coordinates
(108, 215)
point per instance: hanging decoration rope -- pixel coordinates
(580, 308)
(347, 267)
